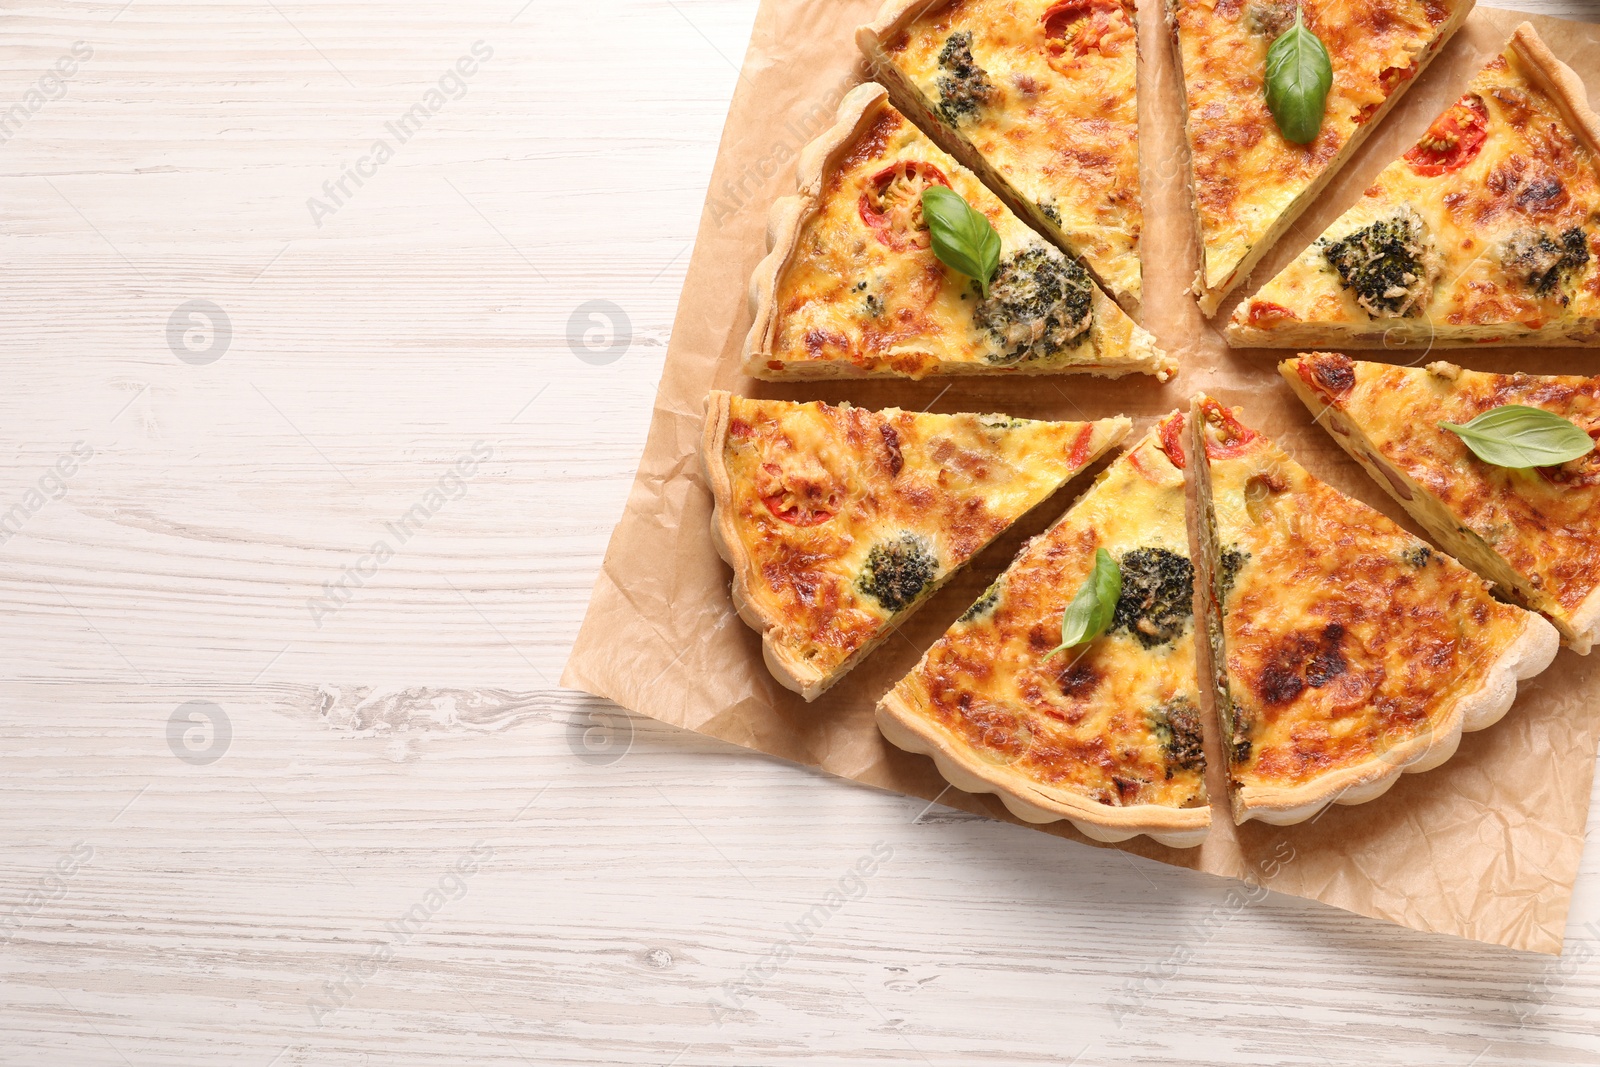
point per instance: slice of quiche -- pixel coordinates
(838, 522)
(1347, 650)
(853, 288)
(1106, 734)
(1534, 533)
(1038, 98)
(1486, 232)
(1249, 182)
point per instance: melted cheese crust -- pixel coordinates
(1345, 635)
(1532, 173)
(1061, 125)
(1246, 174)
(1544, 524)
(1080, 721)
(953, 481)
(850, 303)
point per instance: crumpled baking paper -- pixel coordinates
(1484, 847)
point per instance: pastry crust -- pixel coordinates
(1119, 346)
(1211, 293)
(1268, 667)
(1026, 799)
(895, 18)
(1466, 218)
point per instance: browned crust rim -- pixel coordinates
(1210, 298)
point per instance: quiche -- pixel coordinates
(1038, 98)
(1487, 231)
(1534, 533)
(1347, 650)
(1249, 183)
(852, 286)
(838, 522)
(1107, 734)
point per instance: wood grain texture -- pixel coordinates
(411, 847)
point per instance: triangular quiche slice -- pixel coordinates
(1249, 183)
(1038, 98)
(1106, 734)
(1487, 231)
(838, 522)
(852, 287)
(1534, 533)
(1346, 650)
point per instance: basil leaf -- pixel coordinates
(1299, 75)
(1091, 611)
(1519, 437)
(962, 238)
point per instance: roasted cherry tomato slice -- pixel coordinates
(891, 205)
(1172, 440)
(1330, 374)
(1073, 28)
(1228, 437)
(799, 502)
(1454, 139)
(1264, 314)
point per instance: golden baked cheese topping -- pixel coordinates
(1534, 532)
(1091, 731)
(854, 288)
(1038, 96)
(1486, 231)
(839, 520)
(1349, 650)
(1249, 181)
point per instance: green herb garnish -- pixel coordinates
(1299, 75)
(1519, 437)
(1092, 610)
(962, 238)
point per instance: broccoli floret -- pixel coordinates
(1157, 595)
(1387, 264)
(1417, 556)
(1038, 305)
(963, 86)
(1228, 569)
(1049, 211)
(1000, 422)
(984, 604)
(1176, 724)
(1544, 262)
(897, 571)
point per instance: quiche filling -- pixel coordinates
(839, 521)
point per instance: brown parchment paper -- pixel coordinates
(1485, 847)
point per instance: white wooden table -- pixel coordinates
(273, 794)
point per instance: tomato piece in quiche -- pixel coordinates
(1534, 533)
(852, 287)
(838, 522)
(1487, 231)
(1107, 734)
(1249, 182)
(1348, 650)
(1038, 98)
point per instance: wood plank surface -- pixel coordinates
(302, 495)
